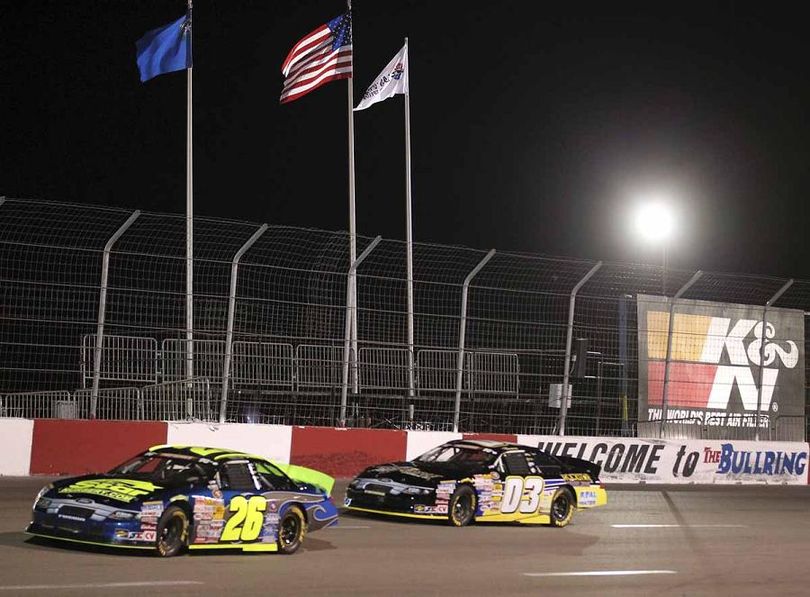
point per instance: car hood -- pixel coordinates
(421, 473)
(105, 489)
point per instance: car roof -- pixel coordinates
(205, 453)
(492, 444)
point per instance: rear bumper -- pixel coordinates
(591, 497)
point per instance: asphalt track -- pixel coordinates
(714, 541)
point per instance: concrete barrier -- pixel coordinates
(70, 447)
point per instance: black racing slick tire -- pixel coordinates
(562, 507)
(463, 504)
(291, 530)
(172, 532)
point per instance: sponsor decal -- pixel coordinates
(123, 490)
(624, 457)
(586, 497)
(688, 461)
(150, 514)
(577, 477)
(768, 462)
(726, 366)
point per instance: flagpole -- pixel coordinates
(351, 308)
(409, 227)
(189, 227)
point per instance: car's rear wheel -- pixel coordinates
(291, 530)
(172, 532)
(463, 503)
(562, 507)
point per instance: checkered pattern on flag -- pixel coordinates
(322, 56)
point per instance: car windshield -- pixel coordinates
(459, 454)
(164, 469)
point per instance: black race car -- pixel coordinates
(480, 480)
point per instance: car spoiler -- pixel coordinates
(303, 474)
(578, 465)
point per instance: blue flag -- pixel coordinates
(165, 49)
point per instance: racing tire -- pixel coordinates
(172, 532)
(291, 530)
(562, 507)
(463, 504)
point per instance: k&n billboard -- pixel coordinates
(714, 373)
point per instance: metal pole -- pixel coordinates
(623, 360)
(189, 228)
(665, 396)
(409, 230)
(344, 392)
(352, 218)
(568, 341)
(226, 366)
(770, 302)
(102, 309)
(462, 333)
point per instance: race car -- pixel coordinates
(170, 498)
(483, 481)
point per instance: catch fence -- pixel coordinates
(92, 324)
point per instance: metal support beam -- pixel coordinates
(678, 295)
(566, 395)
(226, 366)
(462, 333)
(770, 302)
(351, 307)
(102, 309)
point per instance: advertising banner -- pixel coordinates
(715, 377)
(639, 460)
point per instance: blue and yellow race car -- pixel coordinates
(170, 498)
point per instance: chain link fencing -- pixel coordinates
(92, 325)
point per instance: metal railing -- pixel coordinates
(94, 298)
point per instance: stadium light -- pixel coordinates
(655, 224)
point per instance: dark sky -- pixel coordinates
(533, 129)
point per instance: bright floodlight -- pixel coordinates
(655, 222)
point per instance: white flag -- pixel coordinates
(391, 81)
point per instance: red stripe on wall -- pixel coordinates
(346, 452)
(499, 437)
(689, 384)
(78, 447)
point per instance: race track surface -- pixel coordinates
(717, 541)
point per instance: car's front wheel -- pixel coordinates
(172, 532)
(291, 530)
(463, 503)
(562, 507)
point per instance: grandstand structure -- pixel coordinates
(93, 306)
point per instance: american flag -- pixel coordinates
(322, 56)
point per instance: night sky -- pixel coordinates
(533, 129)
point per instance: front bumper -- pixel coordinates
(414, 506)
(107, 533)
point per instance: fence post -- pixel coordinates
(226, 365)
(665, 393)
(770, 302)
(462, 333)
(102, 309)
(350, 306)
(568, 340)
